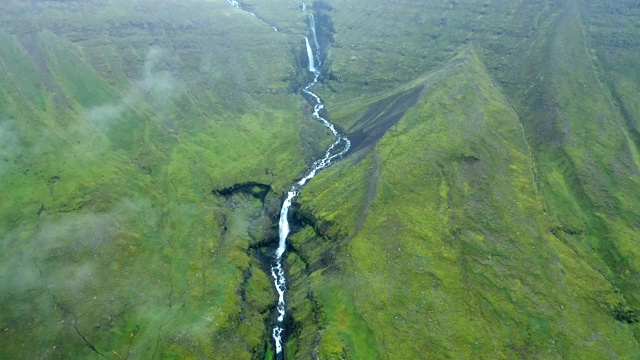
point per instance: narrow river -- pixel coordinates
(337, 150)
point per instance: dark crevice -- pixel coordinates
(246, 275)
(203, 259)
(302, 256)
(255, 189)
(324, 30)
(625, 315)
(262, 261)
(239, 205)
(269, 242)
(301, 218)
(75, 325)
(158, 339)
(304, 319)
(52, 184)
(470, 160)
(170, 294)
(324, 261)
(566, 230)
(223, 226)
(296, 326)
(41, 210)
(66, 311)
(326, 238)
(528, 141)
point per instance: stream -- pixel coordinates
(336, 150)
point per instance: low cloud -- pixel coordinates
(32, 254)
(159, 84)
(9, 146)
(8, 139)
(69, 254)
(105, 114)
(156, 87)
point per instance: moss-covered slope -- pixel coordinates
(488, 209)
(497, 218)
(449, 247)
(118, 119)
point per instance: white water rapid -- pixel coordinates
(337, 150)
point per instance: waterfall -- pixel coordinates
(277, 271)
(334, 152)
(312, 66)
(312, 24)
(337, 150)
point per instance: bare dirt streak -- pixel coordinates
(371, 191)
(380, 117)
(624, 116)
(30, 45)
(4, 69)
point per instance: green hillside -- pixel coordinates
(498, 217)
(119, 120)
(489, 207)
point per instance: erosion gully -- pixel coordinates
(337, 150)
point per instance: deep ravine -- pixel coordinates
(337, 150)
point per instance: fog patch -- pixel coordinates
(8, 139)
(157, 84)
(9, 146)
(17, 272)
(70, 254)
(156, 87)
(104, 114)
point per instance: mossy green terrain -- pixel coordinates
(118, 121)
(497, 217)
(488, 209)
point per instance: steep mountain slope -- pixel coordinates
(117, 121)
(499, 216)
(488, 208)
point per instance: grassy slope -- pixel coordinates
(497, 219)
(117, 120)
(494, 225)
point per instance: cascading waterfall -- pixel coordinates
(312, 65)
(336, 151)
(312, 24)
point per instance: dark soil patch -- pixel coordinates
(257, 190)
(380, 117)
